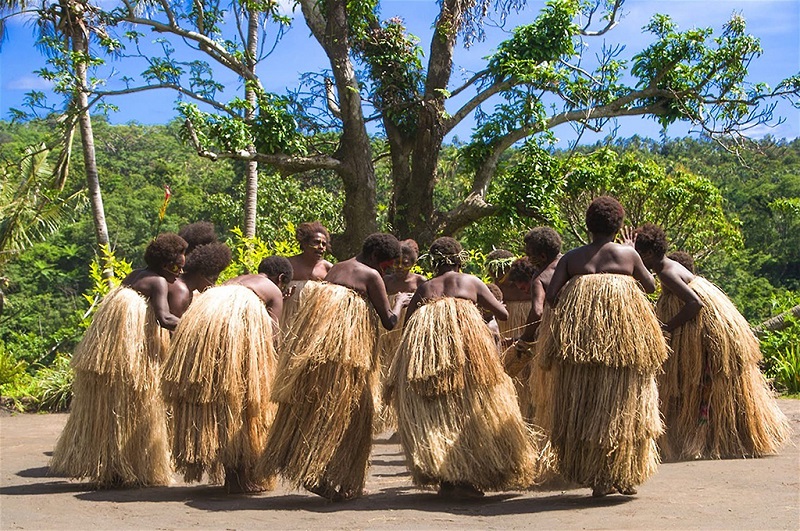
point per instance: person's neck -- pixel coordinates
(169, 275)
(602, 239)
(192, 282)
(447, 269)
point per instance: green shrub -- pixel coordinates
(52, 386)
(782, 356)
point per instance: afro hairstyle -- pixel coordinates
(604, 215)
(275, 266)
(650, 237)
(164, 250)
(522, 270)
(496, 291)
(446, 247)
(409, 247)
(381, 246)
(198, 233)
(684, 259)
(543, 240)
(208, 260)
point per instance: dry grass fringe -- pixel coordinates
(614, 324)
(388, 341)
(458, 415)
(744, 419)
(324, 385)
(116, 434)
(605, 416)
(517, 318)
(291, 305)
(218, 380)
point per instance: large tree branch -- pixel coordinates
(470, 210)
(612, 21)
(172, 86)
(473, 103)
(286, 164)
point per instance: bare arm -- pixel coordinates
(537, 310)
(160, 302)
(560, 277)
(488, 301)
(641, 274)
(376, 291)
(692, 303)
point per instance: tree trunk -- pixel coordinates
(776, 323)
(251, 171)
(360, 210)
(80, 45)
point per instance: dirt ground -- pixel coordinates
(729, 494)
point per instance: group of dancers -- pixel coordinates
(289, 372)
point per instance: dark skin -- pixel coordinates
(450, 282)
(401, 280)
(512, 292)
(268, 289)
(168, 297)
(310, 264)
(538, 286)
(602, 255)
(365, 275)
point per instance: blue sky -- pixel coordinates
(775, 22)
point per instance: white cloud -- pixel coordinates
(28, 82)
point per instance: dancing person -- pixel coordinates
(498, 265)
(326, 377)
(116, 434)
(607, 347)
(459, 422)
(715, 401)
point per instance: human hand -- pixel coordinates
(403, 298)
(627, 235)
(289, 292)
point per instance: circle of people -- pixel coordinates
(567, 372)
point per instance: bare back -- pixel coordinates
(265, 289)
(367, 281)
(167, 296)
(459, 286)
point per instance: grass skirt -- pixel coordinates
(116, 434)
(607, 347)
(458, 416)
(217, 380)
(715, 401)
(388, 341)
(517, 319)
(302, 288)
(322, 432)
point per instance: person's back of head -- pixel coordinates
(651, 238)
(521, 270)
(605, 216)
(381, 247)
(197, 234)
(495, 290)
(543, 240)
(446, 251)
(165, 250)
(497, 262)
(684, 259)
(208, 261)
(277, 267)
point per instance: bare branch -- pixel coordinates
(612, 22)
(472, 104)
(469, 82)
(172, 86)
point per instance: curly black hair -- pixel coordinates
(445, 250)
(381, 246)
(275, 266)
(543, 240)
(164, 250)
(305, 231)
(496, 291)
(522, 270)
(198, 233)
(208, 260)
(684, 259)
(605, 215)
(650, 237)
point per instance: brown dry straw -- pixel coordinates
(116, 433)
(458, 416)
(301, 291)
(743, 419)
(218, 380)
(388, 341)
(322, 431)
(608, 346)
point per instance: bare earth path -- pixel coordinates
(730, 494)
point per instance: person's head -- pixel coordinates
(651, 244)
(198, 233)
(521, 273)
(205, 263)
(168, 252)
(278, 269)
(314, 238)
(684, 259)
(497, 263)
(446, 251)
(604, 216)
(409, 253)
(381, 249)
(542, 245)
